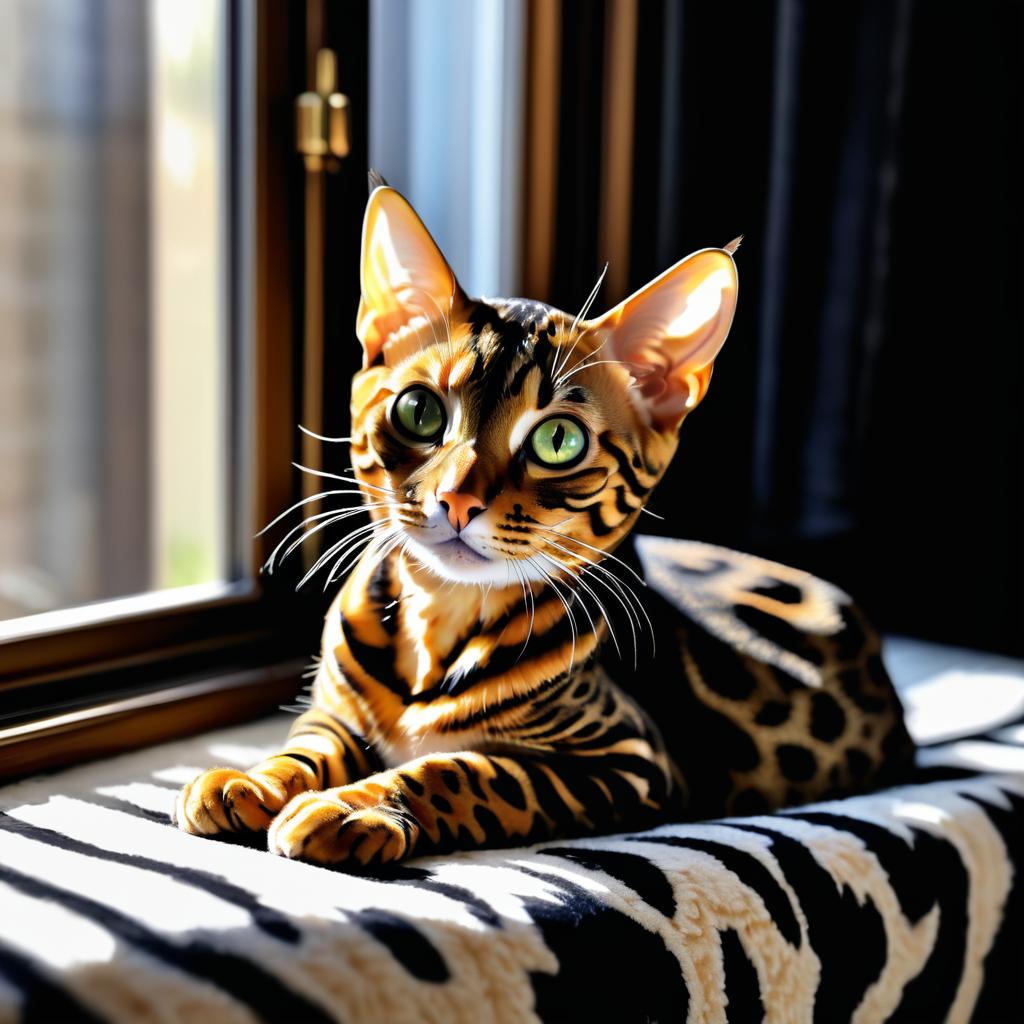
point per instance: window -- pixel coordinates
(152, 368)
(113, 336)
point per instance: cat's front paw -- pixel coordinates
(324, 828)
(225, 800)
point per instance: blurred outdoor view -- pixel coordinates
(112, 356)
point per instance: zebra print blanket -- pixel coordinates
(901, 906)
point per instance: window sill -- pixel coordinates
(144, 718)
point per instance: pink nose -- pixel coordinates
(461, 508)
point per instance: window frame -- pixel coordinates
(181, 660)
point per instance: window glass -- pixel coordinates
(112, 350)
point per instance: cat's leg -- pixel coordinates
(321, 752)
(460, 801)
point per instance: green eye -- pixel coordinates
(419, 414)
(559, 441)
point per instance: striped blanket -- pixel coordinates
(904, 905)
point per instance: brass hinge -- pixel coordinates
(321, 118)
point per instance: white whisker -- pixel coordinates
(338, 513)
(330, 522)
(601, 608)
(344, 479)
(333, 550)
(615, 591)
(320, 437)
(305, 501)
(600, 551)
(568, 611)
(581, 315)
(586, 366)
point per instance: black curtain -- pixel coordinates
(865, 418)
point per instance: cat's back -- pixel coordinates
(767, 683)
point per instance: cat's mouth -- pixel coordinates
(457, 561)
(457, 552)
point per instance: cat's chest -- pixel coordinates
(411, 737)
(438, 642)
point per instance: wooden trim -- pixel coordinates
(116, 726)
(314, 189)
(544, 40)
(617, 179)
(276, 167)
(132, 638)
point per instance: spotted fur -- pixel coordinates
(487, 679)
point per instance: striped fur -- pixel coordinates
(479, 671)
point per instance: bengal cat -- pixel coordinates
(466, 694)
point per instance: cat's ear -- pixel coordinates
(669, 332)
(408, 289)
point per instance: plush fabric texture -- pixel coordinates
(903, 905)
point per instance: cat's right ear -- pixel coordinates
(408, 289)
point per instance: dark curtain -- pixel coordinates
(865, 418)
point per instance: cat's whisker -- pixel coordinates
(577, 575)
(577, 578)
(320, 437)
(344, 479)
(590, 359)
(356, 551)
(580, 316)
(353, 552)
(344, 545)
(631, 614)
(333, 550)
(647, 511)
(560, 376)
(600, 551)
(383, 530)
(635, 600)
(527, 602)
(565, 604)
(362, 549)
(583, 604)
(627, 591)
(586, 366)
(268, 565)
(591, 564)
(347, 514)
(305, 501)
(614, 591)
(624, 588)
(580, 364)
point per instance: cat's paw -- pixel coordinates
(324, 829)
(225, 800)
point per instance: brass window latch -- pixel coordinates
(321, 118)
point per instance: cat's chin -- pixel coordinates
(456, 562)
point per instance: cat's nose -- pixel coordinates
(460, 508)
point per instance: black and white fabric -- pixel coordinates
(904, 905)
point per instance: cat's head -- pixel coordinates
(503, 439)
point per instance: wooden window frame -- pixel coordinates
(101, 679)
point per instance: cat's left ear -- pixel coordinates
(408, 289)
(668, 334)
